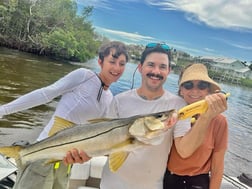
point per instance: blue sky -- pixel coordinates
(220, 28)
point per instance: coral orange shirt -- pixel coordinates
(200, 161)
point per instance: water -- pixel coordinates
(21, 73)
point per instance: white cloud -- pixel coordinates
(135, 38)
(128, 37)
(209, 50)
(234, 44)
(230, 14)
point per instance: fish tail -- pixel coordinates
(11, 151)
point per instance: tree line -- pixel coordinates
(56, 28)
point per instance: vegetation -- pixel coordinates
(48, 27)
(246, 82)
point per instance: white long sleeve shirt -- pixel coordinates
(78, 103)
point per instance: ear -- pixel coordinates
(169, 69)
(180, 92)
(140, 67)
(100, 62)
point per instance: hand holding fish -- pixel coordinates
(169, 123)
(75, 156)
(209, 107)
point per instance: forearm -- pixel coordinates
(24, 102)
(216, 178)
(217, 168)
(43, 95)
(187, 144)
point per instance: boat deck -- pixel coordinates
(88, 175)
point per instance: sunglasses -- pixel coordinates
(202, 85)
(162, 45)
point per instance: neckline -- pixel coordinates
(142, 96)
(145, 98)
(103, 85)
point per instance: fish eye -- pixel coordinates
(159, 115)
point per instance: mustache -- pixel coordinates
(155, 75)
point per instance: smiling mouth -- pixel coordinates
(195, 97)
(114, 74)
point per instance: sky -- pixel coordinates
(215, 28)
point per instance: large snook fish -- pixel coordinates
(112, 137)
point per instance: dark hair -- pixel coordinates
(158, 49)
(119, 47)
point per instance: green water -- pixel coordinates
(21, 73)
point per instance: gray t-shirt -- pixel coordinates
(145, 167)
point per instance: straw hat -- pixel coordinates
(198, 72)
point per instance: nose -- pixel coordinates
(195, 88)
(156, 70)
(117, 66)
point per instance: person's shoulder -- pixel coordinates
(82, 71)
(125, 93)
(172, 96)
(220, 118)
(219, 122)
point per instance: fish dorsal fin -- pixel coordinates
(99, 120)
(59, 125)
(116, 160)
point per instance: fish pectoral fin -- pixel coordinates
(59, 125)
(116, 160)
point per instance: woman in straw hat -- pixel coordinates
(204, 168)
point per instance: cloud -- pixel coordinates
(209, 50)
(127, 37)
(233, 44)
(141, 39)
(235, 15)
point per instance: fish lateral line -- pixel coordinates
(70, 142)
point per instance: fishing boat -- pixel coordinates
(7, 173)
(88, 175)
